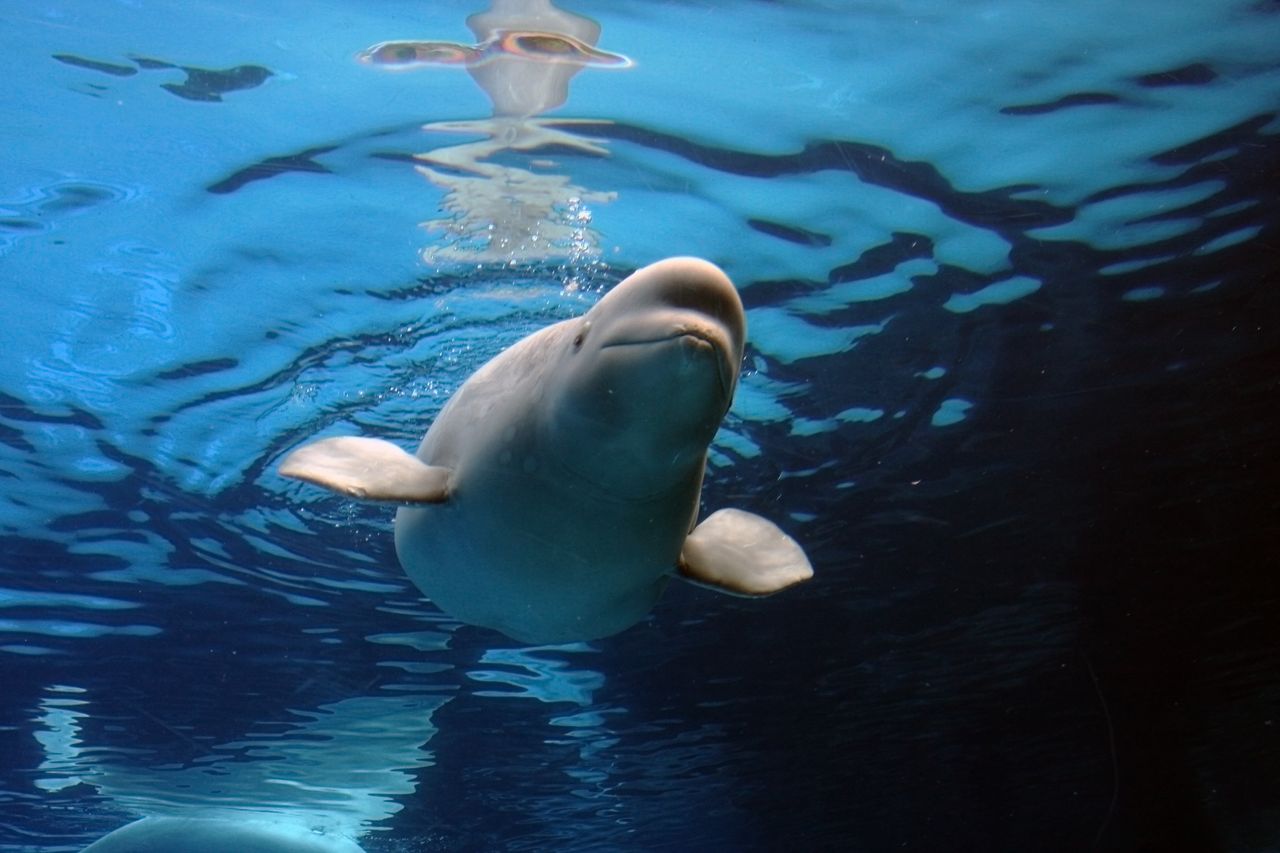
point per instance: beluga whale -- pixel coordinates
(559, 488)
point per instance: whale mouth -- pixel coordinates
(696, 334)
(692, 337)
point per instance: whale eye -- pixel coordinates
(582, 334)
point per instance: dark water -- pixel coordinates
(1013, 379)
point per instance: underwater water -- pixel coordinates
(1012, 379)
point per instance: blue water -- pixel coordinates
(1010, 271)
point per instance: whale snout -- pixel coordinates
(701, 288)
(678, 299)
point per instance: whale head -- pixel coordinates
(647, 375)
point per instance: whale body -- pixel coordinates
(558, 490)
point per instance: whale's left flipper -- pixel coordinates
(742, 554)
(369, 469)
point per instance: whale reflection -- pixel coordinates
(525, 55)
(315, 783)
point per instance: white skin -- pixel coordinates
(556, 492)
(577, 459)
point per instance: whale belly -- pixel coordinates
(541, 564)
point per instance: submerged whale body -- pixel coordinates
(218, 835)
(558, 489)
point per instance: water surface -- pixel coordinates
(1010, 270)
